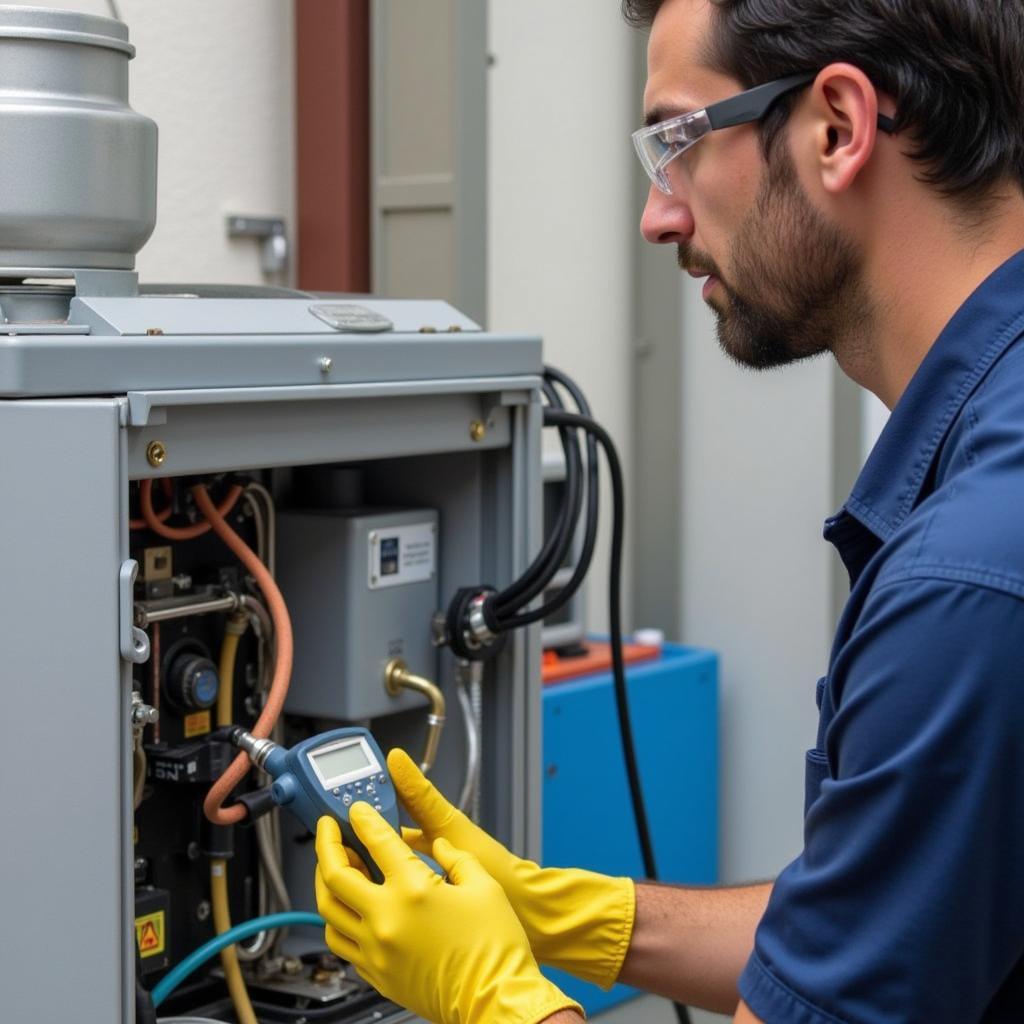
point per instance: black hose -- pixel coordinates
(596, 431)
(585, 557)
(518, 594)
(556, 546)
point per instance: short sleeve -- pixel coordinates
(907, 902)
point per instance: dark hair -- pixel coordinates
(955, 69)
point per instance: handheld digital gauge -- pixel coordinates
(326, 775)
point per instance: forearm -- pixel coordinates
(563, 1017)
(692, 944)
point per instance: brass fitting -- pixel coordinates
(397, 677)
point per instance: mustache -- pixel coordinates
(693, 259)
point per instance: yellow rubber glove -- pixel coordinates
(577, 920)
(454, 954)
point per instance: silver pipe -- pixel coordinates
(268, 501)
(476, 699)
(264, 837)
(257, 611)
(145, 614)
(253, 504)
(469, 672)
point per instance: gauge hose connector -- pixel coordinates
(258, 750)
(471, 630)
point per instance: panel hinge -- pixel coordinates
(134, 641)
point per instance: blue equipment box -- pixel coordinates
(587, 810)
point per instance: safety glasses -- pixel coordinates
(659, 144)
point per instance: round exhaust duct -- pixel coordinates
(77, 164)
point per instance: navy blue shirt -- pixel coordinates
(907, 902)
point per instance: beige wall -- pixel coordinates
(560, 231)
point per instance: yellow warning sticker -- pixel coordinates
(150, 934)
(197, 724)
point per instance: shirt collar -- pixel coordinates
(979, 332)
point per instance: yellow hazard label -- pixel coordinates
(150, 934)
(197, 724)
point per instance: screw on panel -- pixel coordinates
(203, 910)
(325, 363)
(156, 453)
(477, 430)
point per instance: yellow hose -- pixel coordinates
(228, 957)
(233, 630)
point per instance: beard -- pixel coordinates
(795, 288)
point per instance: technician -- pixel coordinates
(846, 177)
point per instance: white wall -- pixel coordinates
(560, 229)
(217, 79)
(756, 577)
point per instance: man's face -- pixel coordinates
(783, 280)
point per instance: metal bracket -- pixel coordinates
(492, 401)
(134, 641)
(271, 232)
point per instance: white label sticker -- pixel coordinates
(402, 554)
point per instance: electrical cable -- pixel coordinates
(153, 521)
(505, 621)
(170, 981)
(556, 546)
(164, 514)
(239, 767)
(615, 625)
(526, 587)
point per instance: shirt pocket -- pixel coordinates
(816, 771)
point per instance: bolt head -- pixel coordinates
(325, 363)
(477, 431)
(156, 453)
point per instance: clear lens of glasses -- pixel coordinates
(658, 145)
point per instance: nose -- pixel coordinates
(666, 220)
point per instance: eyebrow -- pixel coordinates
(663, 112)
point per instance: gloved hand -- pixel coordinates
(577, 920)
(455, 954)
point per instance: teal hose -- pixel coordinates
(195, 959)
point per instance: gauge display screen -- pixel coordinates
(344, 760)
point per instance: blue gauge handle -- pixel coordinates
(327, 774)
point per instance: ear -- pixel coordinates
(844, 104)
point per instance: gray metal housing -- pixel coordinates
(77, 412)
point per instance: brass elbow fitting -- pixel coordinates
(397, 677)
